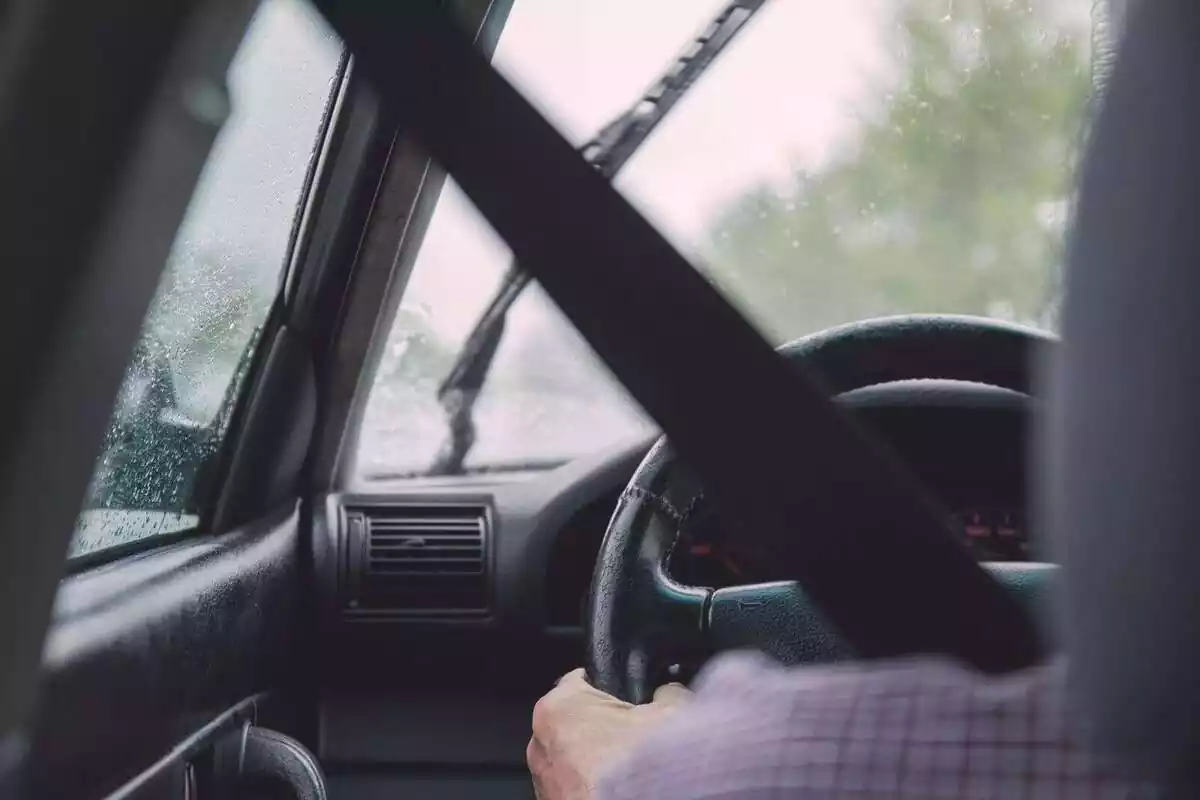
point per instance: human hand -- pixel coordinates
(579, 731)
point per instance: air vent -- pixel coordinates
(418, 560)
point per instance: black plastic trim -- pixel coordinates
(355, 316)
(356, 150)
(87, 561)
(269, 444)
(352, 576)
(929, 393)
(130, 146)
(254, 760)
(232, 718)
(145, 651)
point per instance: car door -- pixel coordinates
(180, 654)
(181, 613)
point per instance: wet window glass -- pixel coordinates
(222, 275)
(842, 160)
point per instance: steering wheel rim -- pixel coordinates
(637, 611)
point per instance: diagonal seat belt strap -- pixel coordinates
(757, 435)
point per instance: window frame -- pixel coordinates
(354, 324)
(244, 383)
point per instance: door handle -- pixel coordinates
(255, 762)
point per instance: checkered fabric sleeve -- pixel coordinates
(911, 729)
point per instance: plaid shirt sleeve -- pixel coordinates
(914, 728)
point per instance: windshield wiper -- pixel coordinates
(607, 151)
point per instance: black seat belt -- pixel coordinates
(846, 519)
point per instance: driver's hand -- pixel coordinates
(579, 731)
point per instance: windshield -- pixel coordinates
(840, 161)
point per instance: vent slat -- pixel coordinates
(408, 572)
(407, 547)
(423, 560)
(426, 563)
(409, 539)
(426, 527)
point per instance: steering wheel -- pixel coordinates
(638, 614)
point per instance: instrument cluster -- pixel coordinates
(706, 557)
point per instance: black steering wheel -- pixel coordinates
(638, 614)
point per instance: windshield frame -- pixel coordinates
(379, 196)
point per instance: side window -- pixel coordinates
(217, 288)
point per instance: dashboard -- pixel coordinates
(535, 537)
(964, 442)
(707, 555)
(448, 605)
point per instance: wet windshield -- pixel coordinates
(840, 161)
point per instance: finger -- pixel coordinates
(537, 786)
(574, 690)
(535, 755)
(542, 722)
(672, 694)
(576, 677)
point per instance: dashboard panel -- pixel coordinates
(451, 675)
(964, 442)
(708, 556)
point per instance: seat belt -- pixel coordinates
(845, 517)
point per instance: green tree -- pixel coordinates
(952, 196)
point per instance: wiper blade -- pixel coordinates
(499, 468)
(608, 151)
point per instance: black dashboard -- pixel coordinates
(448, 605)
(965, 442)
(472, 560)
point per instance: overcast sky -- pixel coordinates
(780, 96)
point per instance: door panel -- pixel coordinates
(183, 618)
(163, 644)
(147, 650)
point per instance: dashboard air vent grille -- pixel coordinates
(417, 560)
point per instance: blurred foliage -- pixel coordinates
(954, 194)
(415, 356)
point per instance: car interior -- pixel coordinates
(264, 597)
